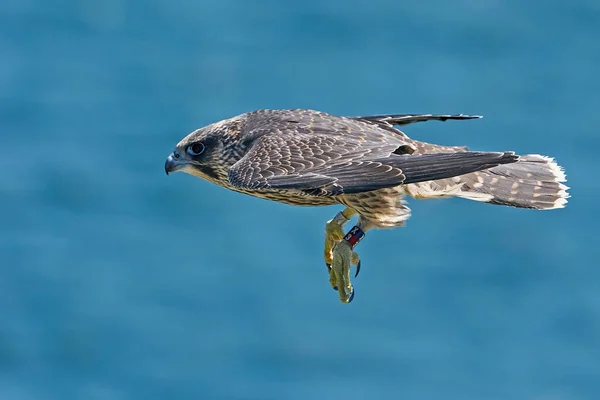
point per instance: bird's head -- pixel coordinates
(204, 153)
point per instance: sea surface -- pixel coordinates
(118, 282)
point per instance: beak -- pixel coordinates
(171, 165)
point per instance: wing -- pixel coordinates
(405, 119)
(332, 163)
(388, 123)
(326, 164)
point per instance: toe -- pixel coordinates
(340, 271)
(347, 296)
(332, 279)
(333, 234)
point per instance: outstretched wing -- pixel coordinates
(405, 119)
(389, 122)
(328, 164)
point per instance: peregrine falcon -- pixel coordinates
(312, 158)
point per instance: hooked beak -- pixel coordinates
(172, 164)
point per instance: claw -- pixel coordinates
(328, 266)
(356, 274)
(350, 296)
(335, 288)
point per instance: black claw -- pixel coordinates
(351, 296)
(357, 269)
(335, 288)
(328, 266)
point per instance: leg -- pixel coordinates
(383, 208)
(343, 258)
(334, 232)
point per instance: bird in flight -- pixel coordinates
(366, 164)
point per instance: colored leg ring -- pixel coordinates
(354, 236)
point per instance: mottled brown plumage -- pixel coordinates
(311, 158)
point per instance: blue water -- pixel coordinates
(118, 282)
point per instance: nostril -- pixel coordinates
(176, 155)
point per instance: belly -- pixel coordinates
(383, 208)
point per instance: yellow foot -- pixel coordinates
(339, 273)
(334, 233)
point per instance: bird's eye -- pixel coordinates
(195, 149)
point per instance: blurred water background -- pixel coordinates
(117, 282)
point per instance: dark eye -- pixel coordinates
(195, 149)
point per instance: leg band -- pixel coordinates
(354, 236)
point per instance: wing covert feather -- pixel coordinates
(335, 166)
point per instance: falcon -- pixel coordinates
(366, 164)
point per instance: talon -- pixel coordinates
(335, 288)
(350, 296)
(356, 261)
(328, 266)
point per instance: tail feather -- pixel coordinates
(534, 181)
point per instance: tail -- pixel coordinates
(534, 181)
